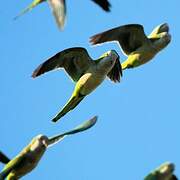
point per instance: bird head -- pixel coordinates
(166, 169)
(39, 142)
(162, 40)
(108, 59)
(160, 36)
(164, 172)
(159, 29)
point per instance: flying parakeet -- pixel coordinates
(30, 156)
(88, 74)
(59, 9)
(164, 172)
(138, 48)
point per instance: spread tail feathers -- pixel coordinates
(29, 8)
(72, 103)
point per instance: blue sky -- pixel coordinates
(139, 121)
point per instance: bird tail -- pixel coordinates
(30, 7)
(71, 104)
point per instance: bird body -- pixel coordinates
(87, 73)
(27, 159)
(138, 48)
(139, 57)
(92, 78)
(30, 156)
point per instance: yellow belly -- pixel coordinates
(88, 82)
(138, 58)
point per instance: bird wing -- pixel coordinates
(74, 60)
(59, 11)
(130, 37)
(104, 4)
(82, 127)
(30, 7)
(3, 158)
(116, 72)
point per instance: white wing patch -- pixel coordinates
(59, 11)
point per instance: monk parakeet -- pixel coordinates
(138, 48)
(59, 9)
(30, 156)
(86, 73)
(164, 172)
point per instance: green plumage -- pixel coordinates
(30, 156)
(87, 73)
(138, 48)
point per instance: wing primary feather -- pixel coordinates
(3, 158)
(50, 64)
(104, 4)
(116, 72)
(74, 60)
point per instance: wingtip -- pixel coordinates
(54, 120)
(106, 7)
(15, 18)
(94, 119)
(57, 118)
(60, 25)
(37, 72)
(93, 40)
(33, 76)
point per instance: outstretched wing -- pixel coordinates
(104, 4)
(3, 158)
(59, 11)
(74, 60)
(130, 37)
(82, 127)
(116, 72)
(29, 8)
